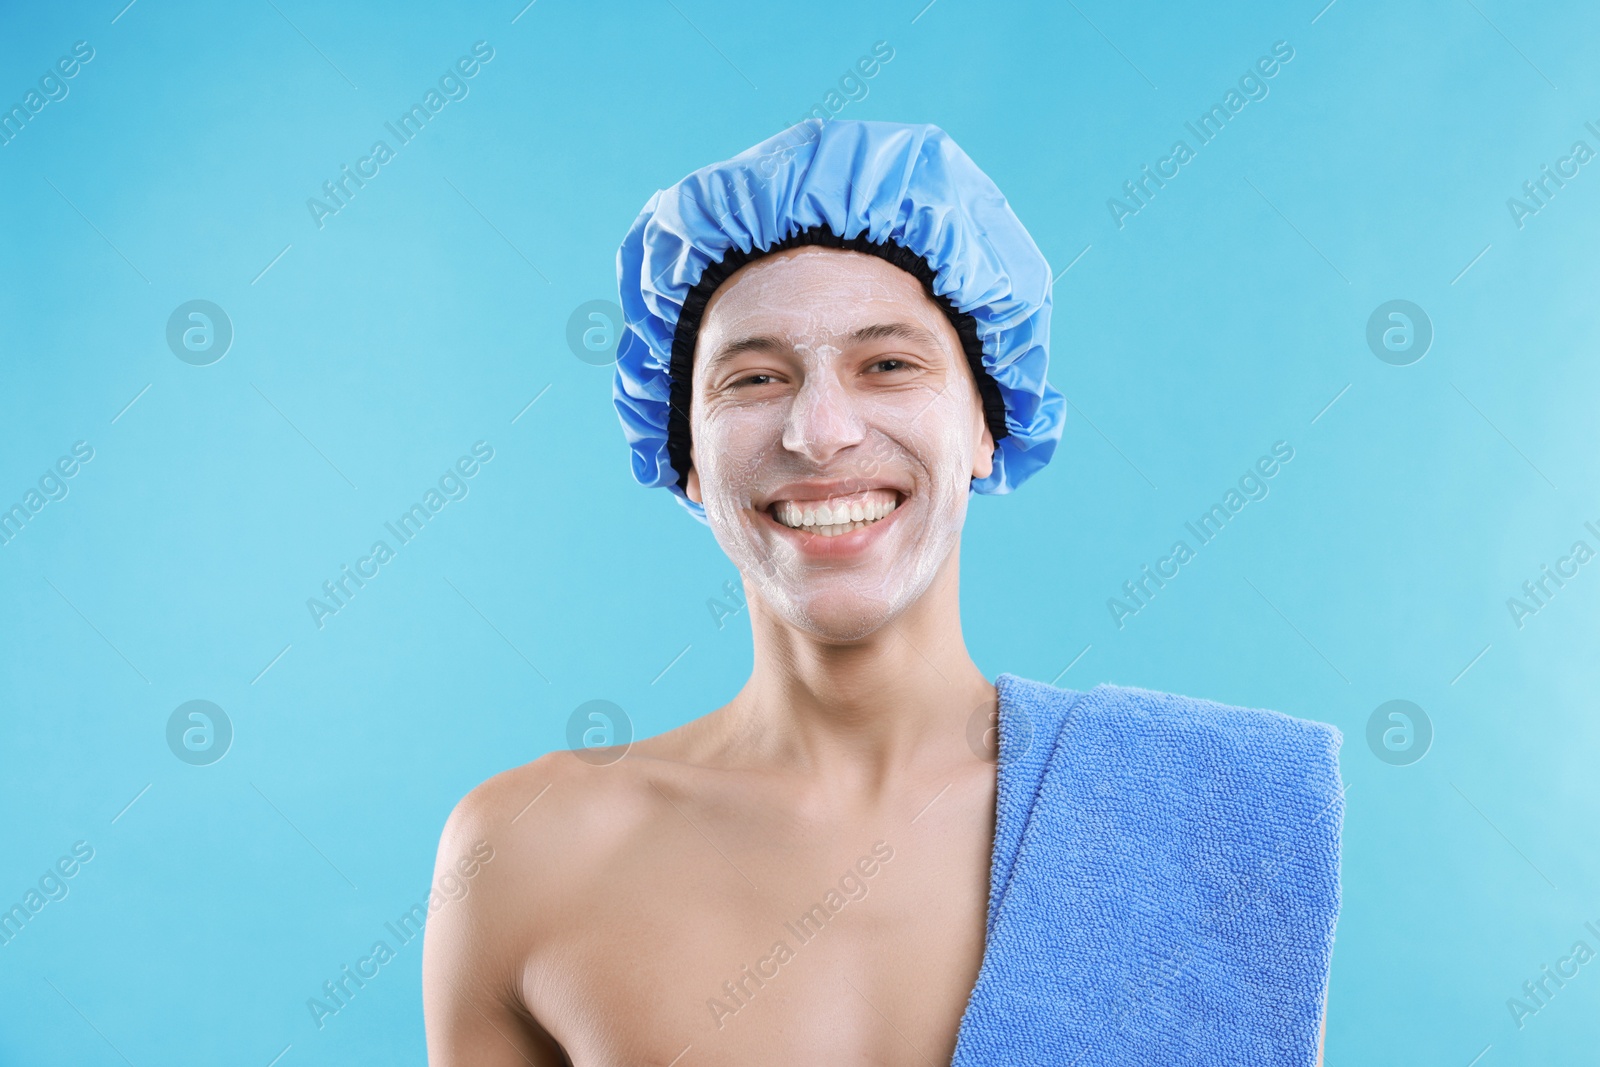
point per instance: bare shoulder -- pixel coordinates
(559, 824)
(515, 861)
(549, 819)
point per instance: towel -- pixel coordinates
(1164, 885)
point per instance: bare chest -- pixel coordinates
(729, 939)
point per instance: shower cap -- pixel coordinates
(904, 192)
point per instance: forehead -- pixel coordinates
(816, 293)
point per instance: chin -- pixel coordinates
(834, 610)
(840, 623)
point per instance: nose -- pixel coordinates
(823, 419)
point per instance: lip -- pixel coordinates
(838, 546)
(822, 490)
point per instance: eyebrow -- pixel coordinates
(878, 331)
(764, 342)
(897, 331)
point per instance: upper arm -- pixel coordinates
(470, 965)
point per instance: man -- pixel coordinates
(834, 339)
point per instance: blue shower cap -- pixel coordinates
(907, 193)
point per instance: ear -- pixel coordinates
(983, 451)
(691, 485)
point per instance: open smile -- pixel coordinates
(832, 517)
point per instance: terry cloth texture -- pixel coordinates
(1165, 884)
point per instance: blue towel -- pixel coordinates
(1164, 886)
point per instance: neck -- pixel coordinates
(896, 701)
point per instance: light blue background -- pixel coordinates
(429, 312)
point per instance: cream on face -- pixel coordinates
(836, 430)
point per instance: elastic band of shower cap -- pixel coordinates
(906, 193)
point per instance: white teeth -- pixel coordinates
(837, 517)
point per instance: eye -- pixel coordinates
(752, 379)
(889, 365)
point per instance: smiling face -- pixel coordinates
(836, 431)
